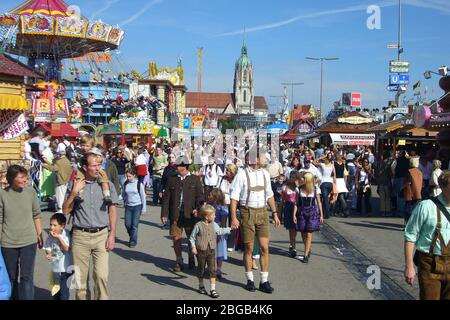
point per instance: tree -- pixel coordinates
(228, 123)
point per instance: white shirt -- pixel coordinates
(239, 188)
(60, 260)
(63, 145)
(434, 182)
(225, 187)
(182, 178)
(216, 173)
(27, 151)
(327, 173)
(141, 160)
(275, 169)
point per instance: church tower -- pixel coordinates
(243, 84)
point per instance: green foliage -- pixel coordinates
(229, 123)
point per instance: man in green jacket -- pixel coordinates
(63, 169)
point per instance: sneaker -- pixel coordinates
(214, 294)
(202, 290)
(230, 249)
(178, 267)
(303, 258)
(292, 252)
(219, 276)
(107, 200)
(266, 287)
(132, 245)
(250, 286)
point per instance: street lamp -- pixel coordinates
(321, 76)
(443, 71)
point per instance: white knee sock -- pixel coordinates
(264, 277)
(249, 276)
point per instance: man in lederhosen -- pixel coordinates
(182, 198)
(251, 188)
(428, 230)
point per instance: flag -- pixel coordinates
(417, 85)
(425, 92)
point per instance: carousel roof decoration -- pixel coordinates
(52, 28)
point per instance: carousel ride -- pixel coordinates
(53, 38)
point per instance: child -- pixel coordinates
(133, 195)
(57, 251)
(278, 190)
(289, 195)
(5, 283)
(216, 198)
(87, 146)
(309, 215)
(203, 242)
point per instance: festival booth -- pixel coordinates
(403, 134)
(12, 107)
(352, 128)
(302, 128)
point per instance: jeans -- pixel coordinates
(341, 204)
(132, 216)
(367, 195)
(122, 179)
(25, 258)
(326, 188)
(156, 183)
(64, 292)
(398, 186)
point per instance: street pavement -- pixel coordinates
(144, 272)
(345, 254)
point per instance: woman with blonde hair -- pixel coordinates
(434, 184)
(309, 215)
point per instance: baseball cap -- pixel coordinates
(350, 156)
(95, 151)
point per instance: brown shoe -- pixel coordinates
(178, 268)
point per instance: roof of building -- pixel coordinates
(244, 60)
(58, 129)
(12, 67)
(219, 100)
(336, 126)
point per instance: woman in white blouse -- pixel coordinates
(225, 186)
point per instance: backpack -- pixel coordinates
(70, 153)
(206, 168)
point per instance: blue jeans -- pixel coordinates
(401, 203)
(156, 183)
(64, 292)
(326, 188)
(25, 257)
(132, 216)
(122, 179)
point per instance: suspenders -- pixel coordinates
(445, 249)
(255, 188)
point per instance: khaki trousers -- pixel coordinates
(434, 284)
(60, 194)
(85, 245)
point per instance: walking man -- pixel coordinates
(183, 197)
(94, 229)
(428, 230)
(251, 189)
(158, 164)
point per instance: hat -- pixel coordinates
(182, 161)
(95, 151)
(350, 156)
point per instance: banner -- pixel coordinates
(197, 122)
(8, 117)
(16, 129)
(349, 139)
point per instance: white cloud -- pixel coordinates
(442, 6)
(140, 12)
(108, 5)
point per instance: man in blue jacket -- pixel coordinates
(5, 284)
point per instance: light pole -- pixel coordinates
(321, 59)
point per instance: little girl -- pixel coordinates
(216, 198)
(309, 215)
(289, 197)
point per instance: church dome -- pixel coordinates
(244, 60)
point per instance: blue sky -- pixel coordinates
(280, 34)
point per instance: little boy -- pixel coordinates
(203, 243)
(87, 146)
(57, 251)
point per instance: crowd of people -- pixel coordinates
(220, 200)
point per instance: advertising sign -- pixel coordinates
(348, 139)
(197, 122)
(16, 129)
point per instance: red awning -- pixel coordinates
(60, 129)
(290, 137)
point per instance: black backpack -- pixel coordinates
(70, 153)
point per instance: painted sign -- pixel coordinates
(16, 129)
(8, 117)
(197, 122)
(348, 139)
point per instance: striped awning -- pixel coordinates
(13, 102)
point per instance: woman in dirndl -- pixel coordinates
(341, 186)
(309, 215)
